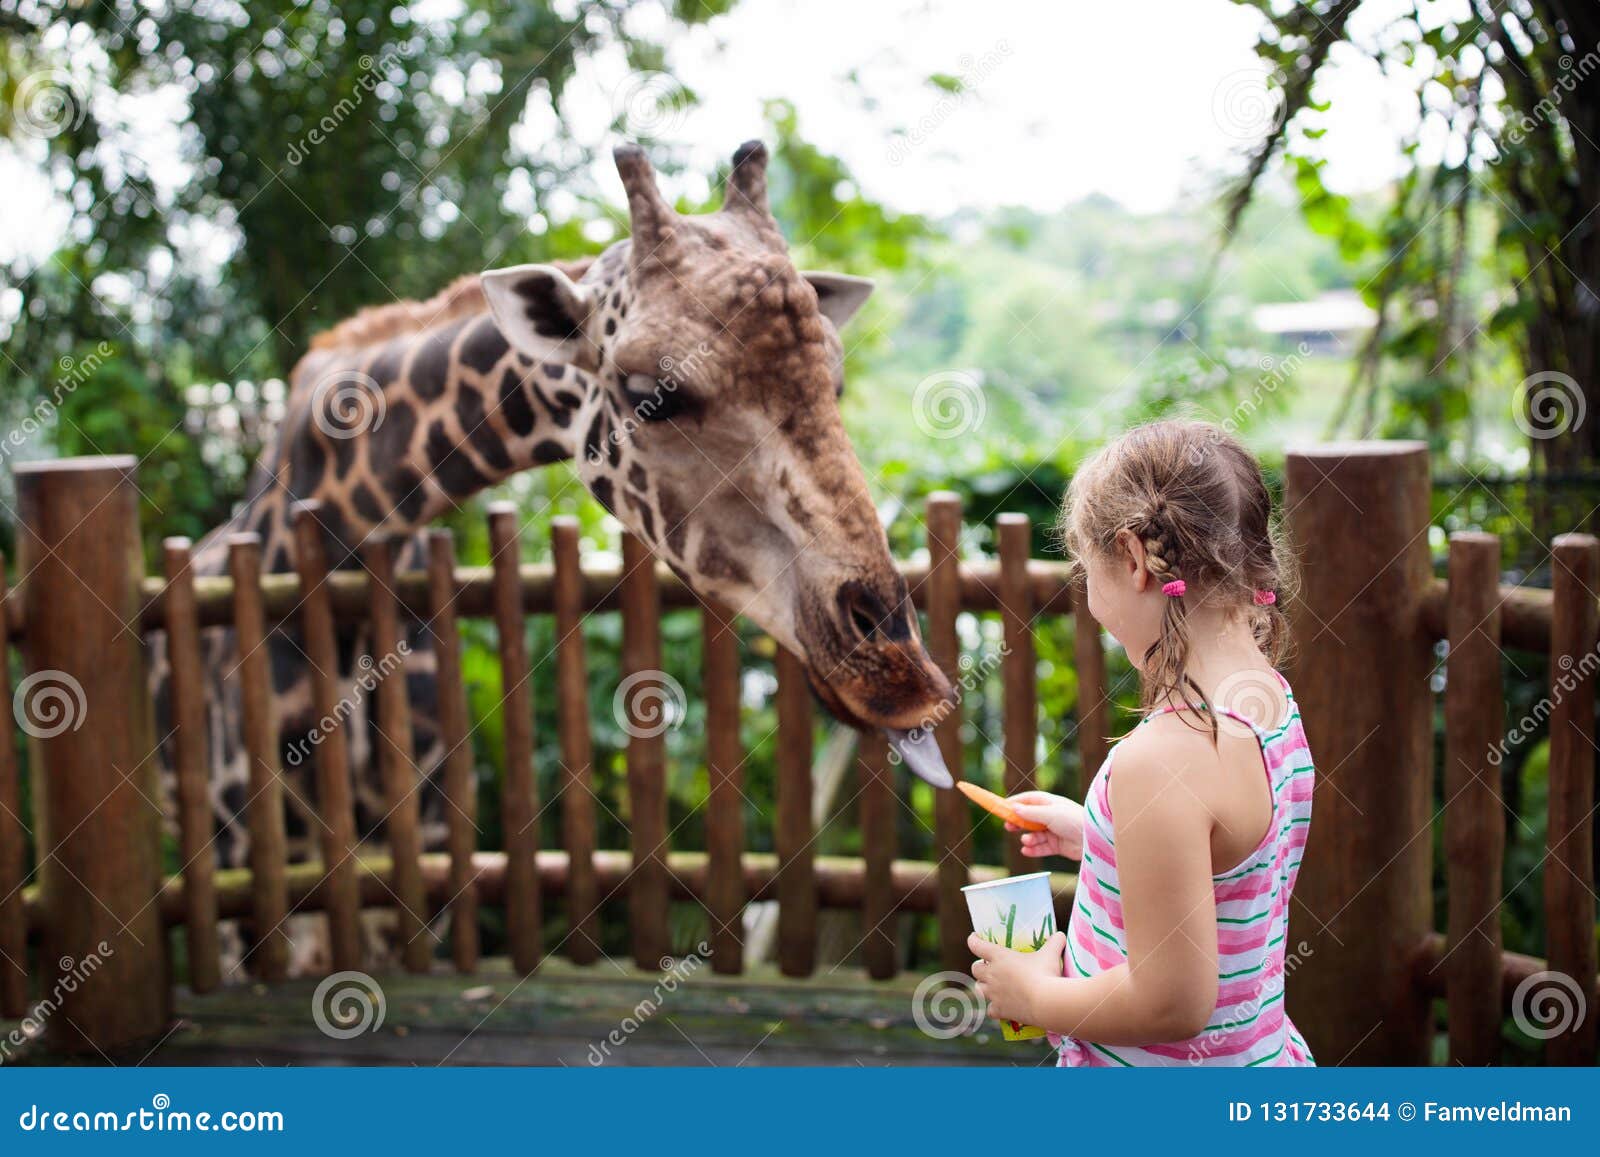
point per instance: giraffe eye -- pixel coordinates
(657, 400)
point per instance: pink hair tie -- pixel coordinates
(1266, 598)
(1174, 589)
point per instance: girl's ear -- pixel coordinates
(1132, 555)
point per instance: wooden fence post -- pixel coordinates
(13, 841)
(645, 717)
(1358, 514)
(952, 817)
(96, 796)
(1475, 818)
(1018, 668)
(1569, 871)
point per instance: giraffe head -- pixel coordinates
(710, 372)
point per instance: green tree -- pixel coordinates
(339, 153)
(1514, 89)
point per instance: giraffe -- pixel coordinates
(693, 376)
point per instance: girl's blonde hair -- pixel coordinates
(1195, 497)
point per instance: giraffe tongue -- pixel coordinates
(921, 754)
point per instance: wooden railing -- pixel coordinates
(1367, 959)
(1367, 624)
(79, 555)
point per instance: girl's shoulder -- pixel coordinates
(1164, 749)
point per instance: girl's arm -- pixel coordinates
(1167, 990)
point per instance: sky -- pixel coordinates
(1139, 100)
(1136, 99)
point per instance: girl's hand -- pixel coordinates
(1063, 817)
(1009, 980)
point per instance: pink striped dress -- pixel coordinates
(1249, 1026)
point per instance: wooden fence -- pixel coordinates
(1367, 959)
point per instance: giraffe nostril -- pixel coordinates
(867, 614)
(866, 626)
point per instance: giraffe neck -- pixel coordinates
(438, 415)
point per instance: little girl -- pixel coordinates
(1193, 829)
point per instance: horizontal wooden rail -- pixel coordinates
(1524, 615)
(1049, 583)
(841, 882)
(1433, 979)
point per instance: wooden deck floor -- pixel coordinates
(566, 1016)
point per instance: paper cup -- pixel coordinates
(1016, 912)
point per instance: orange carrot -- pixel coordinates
(996, 806)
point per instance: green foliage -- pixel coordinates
(1499, 221)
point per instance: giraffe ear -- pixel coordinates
(839, 295)
(541, 311)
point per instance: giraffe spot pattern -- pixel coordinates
(452, 468)
(484, 346)
(482, 436)
(515, 406)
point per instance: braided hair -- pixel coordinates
(1195, 498)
